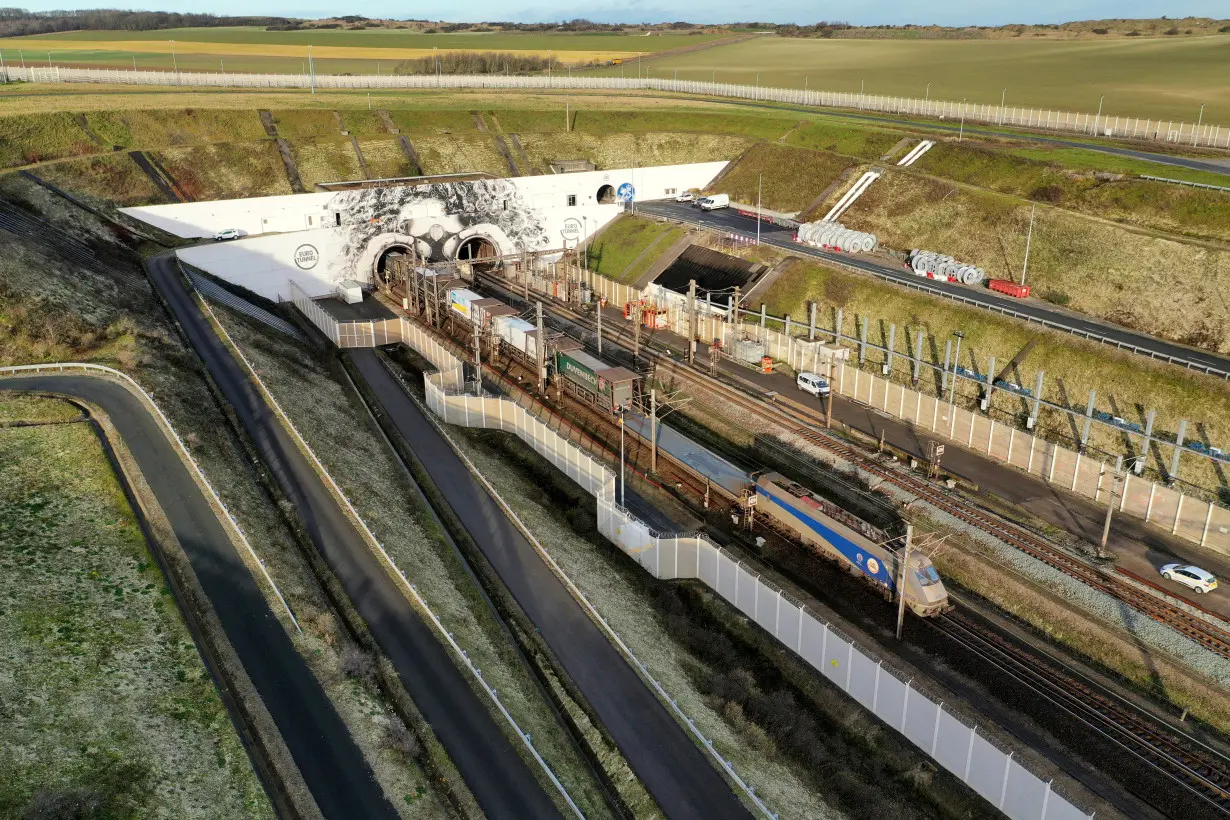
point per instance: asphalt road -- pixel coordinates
(332, 765)
(674, 770)
(729, 220)
(497, 776)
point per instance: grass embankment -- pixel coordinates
(1127, 385)
(786, 178)
(227, 170)
(52, 310)
(628, 150)
(1081, 181)
(106, 703)
(629, 245)
(865, 142)
(807, 750)
(1159, 286)
(336, 427)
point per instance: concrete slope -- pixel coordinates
(673, 769)
(332, 765)
(497, 776)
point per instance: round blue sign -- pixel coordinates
(626, 191)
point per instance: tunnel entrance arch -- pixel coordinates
(382, 272)
(479, 251)
(606, 195)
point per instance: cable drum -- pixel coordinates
(835, 235)
(940, 266)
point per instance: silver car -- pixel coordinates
(1197, 579)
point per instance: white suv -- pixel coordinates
(227, 234)
(1196, 578)
(811, 383)
(686, 196)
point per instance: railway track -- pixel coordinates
(1201, 770)
(1211, 636)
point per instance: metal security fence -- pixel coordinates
(1072, 122)
(975, 760)
(988, 770)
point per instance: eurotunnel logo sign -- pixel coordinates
(571, 231)
(306, 257)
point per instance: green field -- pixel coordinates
(104, 699)
(392, 38)
(1167, 77)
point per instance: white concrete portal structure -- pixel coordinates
(320, 239)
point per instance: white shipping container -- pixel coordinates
(519, 333)
(460, 299)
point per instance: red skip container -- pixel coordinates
(1009, 287)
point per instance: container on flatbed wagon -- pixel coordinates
(517, 333)
(1009, 287)
(595, 381)
(461, 300)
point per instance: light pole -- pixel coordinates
(1028, 238)
(585, 242)
(22, 55)
(174, 59)
(905, 560)
(861, 87)
(961, 133)
(222, 65)
(759, 189)
(1110, 503)
(621, 459)
(1002, 97)
(134, 62)
(927, 95)
(805, 79)
(1098, 115)
(311, 71)
(956, 363)
(756, 96)
(1199, 120)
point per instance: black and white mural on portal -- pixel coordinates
(320, 239)
(437, 220)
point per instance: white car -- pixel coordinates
(227, 234)
(1197, 579)
(686, 196)
(812, 383)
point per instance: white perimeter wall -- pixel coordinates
(341, 235)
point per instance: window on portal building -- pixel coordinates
(572, 200)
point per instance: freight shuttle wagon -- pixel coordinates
(595, 381)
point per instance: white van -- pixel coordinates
(712, 203)
(812, 383)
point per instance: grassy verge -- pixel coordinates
(616, 150)
(40, 137)
(107, 180)
(156, 128)
(116, 709)
(445, 154)
(792, 178)
(1127, 385)
(807, 752)
(326, 160)
(325, 414)
(384, 157)
(1085, 182)
(55, 311)
(227, 170)
(853, 141)
(630, 239)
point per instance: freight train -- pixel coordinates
(792, 508)
(587, 377)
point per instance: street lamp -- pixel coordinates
(927, 95)
(174, 59)
(1120, 465)
(1199, 120)
(621, 459)
(956, 363)
(1003, 96)
(1098, 115)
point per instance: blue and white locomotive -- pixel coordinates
(792, 507)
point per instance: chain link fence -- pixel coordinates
(1197, 134)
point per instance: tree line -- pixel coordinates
(478, 62)
(16, 22)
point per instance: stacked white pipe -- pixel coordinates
(836, 236)
(938, 266)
